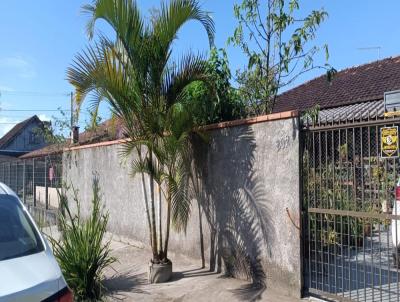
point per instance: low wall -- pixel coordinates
(42, 216)
(53, 198)
(245, 211)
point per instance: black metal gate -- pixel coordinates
(350, 221)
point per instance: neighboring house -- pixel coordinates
(107, 131)
(356, 92)
(23, 138)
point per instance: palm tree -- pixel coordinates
(136, 75)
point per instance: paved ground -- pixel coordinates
(374, 275)
(127, 281)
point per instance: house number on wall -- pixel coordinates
(282, 142)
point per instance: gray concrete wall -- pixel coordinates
(246, 181)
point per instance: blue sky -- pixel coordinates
(40, 39)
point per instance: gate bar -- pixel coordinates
(354, 213)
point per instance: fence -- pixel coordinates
(351, 226)
(34, 180)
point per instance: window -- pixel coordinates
(18, 236)
(34, 138)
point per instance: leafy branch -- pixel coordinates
(275, 39)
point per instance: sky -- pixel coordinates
(39, 40)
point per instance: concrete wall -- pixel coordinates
(52, 196)
(246, 181)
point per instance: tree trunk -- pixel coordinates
(168, 225)
(160, 219)
(156, 257)
(146, 202)
(203, 260)
(147, 208)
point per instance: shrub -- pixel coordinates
(81, 251)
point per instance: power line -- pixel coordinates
(15, 123)
(28, 110)
(34, 93)
(15, 116)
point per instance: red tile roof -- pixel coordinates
(109, 130)
(48, 150)
(357, 84)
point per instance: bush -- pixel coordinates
(81, 253)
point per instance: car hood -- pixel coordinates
(30, 278)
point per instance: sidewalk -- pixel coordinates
(127, 281)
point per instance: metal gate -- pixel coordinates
(350, 221)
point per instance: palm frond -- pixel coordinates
(191, 68)
(174, 15)
(149, 167)
(180, 201)
(101, 70)
(125, 18)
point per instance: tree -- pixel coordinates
(218, 101)
(275, 39)
(55, 132)
(145, 88)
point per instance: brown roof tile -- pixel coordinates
(357, 84)
(111, 129)
(48, 150)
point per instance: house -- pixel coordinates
(108, 130)
(354, 93)
(23, 138)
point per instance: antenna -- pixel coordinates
(378, 48)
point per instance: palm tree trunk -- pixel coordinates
(147, 208)
(146, 202)
(156, 257)
(203, 260)
(168, 225)
(160, 219)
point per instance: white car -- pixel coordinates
(28, 269)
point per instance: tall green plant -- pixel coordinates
(218, 101)
(146, 89)
(81, 251)
(275, 38)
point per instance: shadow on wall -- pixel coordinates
(232, 200)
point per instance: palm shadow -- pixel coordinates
(233, 201)
(127, 282)
(193, 273)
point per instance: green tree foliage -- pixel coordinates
(56, 131)
(275, 38)
(137, 76)
(215, 101)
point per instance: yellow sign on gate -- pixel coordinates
(389, 142)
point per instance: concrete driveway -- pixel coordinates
(126, 280)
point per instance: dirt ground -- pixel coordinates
(126, 280)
